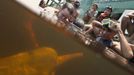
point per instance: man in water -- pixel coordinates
(127, 23)
(74, 18)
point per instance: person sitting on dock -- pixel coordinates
(91, 13)
(74, 17)
(127, 23)
(96, 25)
(75, 14)
(69, 12)
(107, 34)
(64, 14)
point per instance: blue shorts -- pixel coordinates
(105, 42)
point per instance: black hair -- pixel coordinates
(77, 4)
(109, 8)
(95, 5)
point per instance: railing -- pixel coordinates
(55, 3)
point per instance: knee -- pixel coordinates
(125, 17)
(129, 55)
(94, 23)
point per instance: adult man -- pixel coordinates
(75, 14)
(127, 23)
(68, 13)
(65, 13)
(74, 17)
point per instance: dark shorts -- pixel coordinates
(105, 42)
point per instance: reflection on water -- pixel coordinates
(42, 61)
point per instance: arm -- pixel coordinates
(124, 45)
(97, 24)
